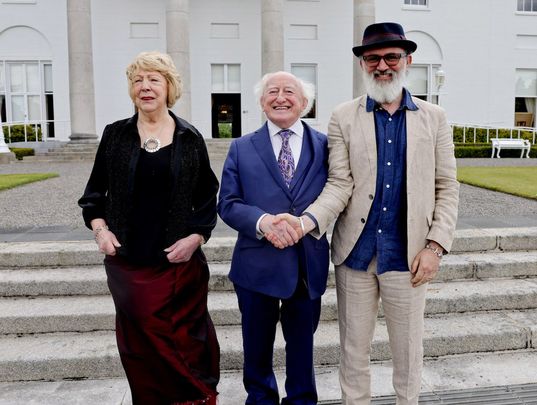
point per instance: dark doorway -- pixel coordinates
(226, 115)
(49, 109)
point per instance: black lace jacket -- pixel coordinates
(110, 187)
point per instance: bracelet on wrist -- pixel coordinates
(98, 230)
(439, 252)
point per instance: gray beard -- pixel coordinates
(384, 92)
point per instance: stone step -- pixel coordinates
(217, 157)
(92, 313)
(494, 239)
(212, 143)
(66, 153)
(69, 153)
(220, 249)
(82, 280)
(60, 158)
(91, 279)
(93, 354)
(75, 148)
(83, 253)
(58, 314)
(440, 376)
(218, 149)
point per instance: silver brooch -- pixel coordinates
(151, 145)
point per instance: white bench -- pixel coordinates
(522, 144)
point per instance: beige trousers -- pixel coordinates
(358, 295)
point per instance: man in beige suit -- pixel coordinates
(392, 186)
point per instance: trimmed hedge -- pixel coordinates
(21, 152)
(485, 151)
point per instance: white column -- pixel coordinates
(271, 36)
(3, 145)
(6, 155)
(81, 91)
(178, 47)
(364, 15)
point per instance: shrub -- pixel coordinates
(15, 133)
(485, 151)
(21, 152)
(224, 130)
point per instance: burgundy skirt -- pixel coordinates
(165, 336)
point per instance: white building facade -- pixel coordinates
(478, 58)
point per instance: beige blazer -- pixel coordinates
(431, 183)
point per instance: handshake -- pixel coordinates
(285, 230)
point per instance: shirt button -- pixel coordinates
(389, 119)
(387, 186)
(380, 230)
(370, 196)
(389, 163)
(389, 141)
(362, 220)
(384, 209)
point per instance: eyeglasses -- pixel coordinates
(391, 59)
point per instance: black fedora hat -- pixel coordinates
(382, 35)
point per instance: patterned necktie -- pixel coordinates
(286, 163)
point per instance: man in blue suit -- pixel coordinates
(281, 167)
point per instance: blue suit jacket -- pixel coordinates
(253, 185)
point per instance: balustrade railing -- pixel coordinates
(32, 131)
(44, 130)
(474, 133)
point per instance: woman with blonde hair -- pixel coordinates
(151, 203)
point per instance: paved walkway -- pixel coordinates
(48, 210)
(116, 392)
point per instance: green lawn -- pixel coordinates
(14, 180)
(520, 181)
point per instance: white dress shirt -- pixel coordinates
(295, 143)
(295, 140)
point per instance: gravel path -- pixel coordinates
(53, 202)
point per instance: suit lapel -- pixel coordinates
(263, 147)
(311, 158)
(413, 125)
(365, 124)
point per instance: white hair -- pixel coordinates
(385, 92)
(307, 89)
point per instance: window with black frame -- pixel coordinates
(308, 73)
(529, 6)
(3, 117)
(422, 82)
(415, 3)
(26, 100)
